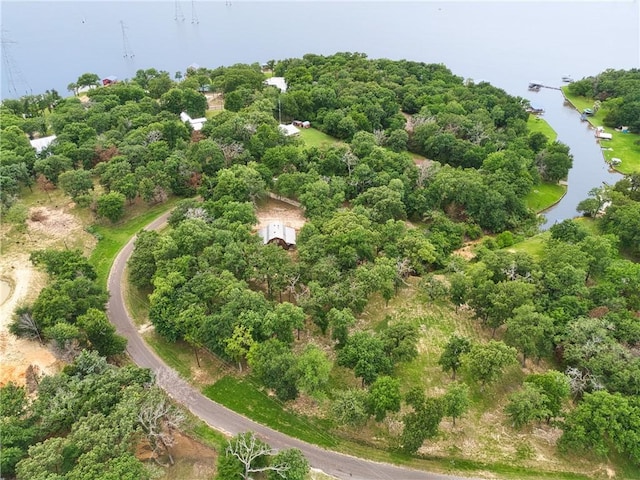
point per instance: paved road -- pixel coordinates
(221, 418)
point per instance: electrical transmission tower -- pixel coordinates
(126, 48)
(194, 15)
(179, 17)
(16, 81)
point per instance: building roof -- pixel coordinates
(111, 78)
(289, 130)
(277, 230)
(41, 143)
(196, 123)
(277, 82)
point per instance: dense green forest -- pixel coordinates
(378, 222)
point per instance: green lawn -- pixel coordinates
(177, 355)
(111, 238)
(533, 246)
(544, 195)
(623, 145)
(243, 397)
(315, 138)
(537, 124)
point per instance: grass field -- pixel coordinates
(544, 195)
(622, 145)
(315, 138)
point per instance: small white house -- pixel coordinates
(278, 82)
(278, 233)
(196, 123)
(289, 130)
(41, 143)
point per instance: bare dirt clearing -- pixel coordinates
(46, 227)
(215, 101)
(272, 210)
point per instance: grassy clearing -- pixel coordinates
(537, 124)
(242, 397)
(212, 113)
(590, 224)
(113, 237)
(544, 195)
(177, 355)
(315, 138)
(622, 145)
(533, 246)
(181, 357)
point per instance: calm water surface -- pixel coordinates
(507, 43)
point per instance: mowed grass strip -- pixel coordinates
(544, 195)
(622, 145)
(537, 124)
(244, 398)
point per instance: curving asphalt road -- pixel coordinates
(221, 418)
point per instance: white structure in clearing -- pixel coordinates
(289, 130)
(41, 143)
(196, 123)
(277, 233)
(278, 82)
(600, 133)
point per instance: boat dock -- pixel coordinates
(536, 86)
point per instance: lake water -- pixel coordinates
(507, 43)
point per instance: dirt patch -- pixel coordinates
(467, 251)
(56, 227)
(17, 354)
(271, 210)
(215, 101)
(47, 227)
(193, 460)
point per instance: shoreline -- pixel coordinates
(563, 183)
(593, 127)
